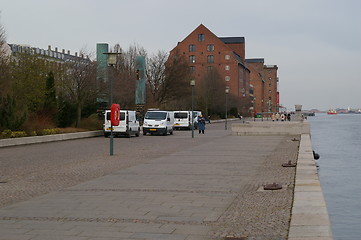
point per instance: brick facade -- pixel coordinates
(271, 103)
(204, 51)
(265, 82)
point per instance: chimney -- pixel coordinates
(68, 52)
(63, 51)
(56, 49)
(49, 47)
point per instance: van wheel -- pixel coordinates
(171, 133)
(137, 133)
(165, 133)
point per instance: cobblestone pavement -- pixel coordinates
(154, 187)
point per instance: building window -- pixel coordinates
(227, 57)
(200, 37)
(192, 69)
(269, 85)
(210, 47)
(210, 69)
(227, 78)
(192, 59)
(227, 68)
(210, 59)
(192, 48)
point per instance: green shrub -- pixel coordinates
(50, 131)
(92, 123)
(17, 134)
(6, 133)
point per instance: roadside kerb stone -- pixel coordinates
(47, 138)
(310, 218)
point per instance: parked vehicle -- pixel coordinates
(159, 122)
(128, 124)
(182, 120)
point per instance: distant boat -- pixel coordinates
(332, 112)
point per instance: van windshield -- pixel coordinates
(181, 115)
(121, 117)
(156, 115)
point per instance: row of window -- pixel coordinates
(193, 68)
(209, 69)
(193, 48)
(210, 58)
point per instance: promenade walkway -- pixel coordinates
(209, 191)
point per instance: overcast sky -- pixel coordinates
(315, 43)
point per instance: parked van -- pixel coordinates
(160, 122)
(128, 124)
(182, 119)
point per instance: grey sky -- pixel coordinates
(315, 43)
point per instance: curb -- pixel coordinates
(309, 217)
(48, 138)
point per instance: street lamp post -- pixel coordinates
(193, 83)
(226, 91)
(112, 60)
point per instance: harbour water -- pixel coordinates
(337, 138)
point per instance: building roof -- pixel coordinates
(255, 60)
(230, 40)
(270, 66)
(239, 59)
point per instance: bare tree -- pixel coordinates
(211, 96)
(4, 63)
(123, 75)
(156, 76)
(168, 80)
(79, 84)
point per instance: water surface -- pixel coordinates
(337, 138)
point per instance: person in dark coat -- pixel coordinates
(201, 124)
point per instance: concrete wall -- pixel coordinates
(269, 128)
(309, 218)
(48, 138)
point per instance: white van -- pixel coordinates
(182, 119)
(128, 124)
(160, 122)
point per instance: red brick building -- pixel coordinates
(204, 52)
(265, 83)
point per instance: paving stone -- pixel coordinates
(202, 188)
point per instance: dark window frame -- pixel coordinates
(201, 37)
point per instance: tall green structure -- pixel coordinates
(140, 96)
(102, 71)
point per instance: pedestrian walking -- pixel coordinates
(277, 116)
(289, 116)
(273, 117)
(239, 116)
(201, 124)
(283, 117)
